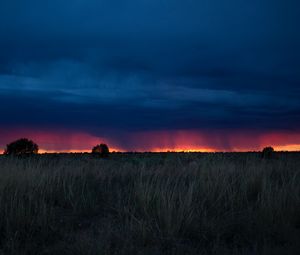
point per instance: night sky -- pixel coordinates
(151, 75)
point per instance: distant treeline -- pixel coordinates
(24, 146)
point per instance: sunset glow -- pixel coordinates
(158, 141)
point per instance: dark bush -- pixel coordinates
(22, 146)
(268, 152)
(101, 150)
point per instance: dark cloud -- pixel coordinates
(115, 66)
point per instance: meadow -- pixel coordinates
(150, 203)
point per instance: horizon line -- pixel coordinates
(155, 151)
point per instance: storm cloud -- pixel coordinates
(117, 68)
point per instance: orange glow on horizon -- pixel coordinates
(183, 149)
(65, 141)
(289, 148)
(43, 151)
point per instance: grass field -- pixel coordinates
(152, 203)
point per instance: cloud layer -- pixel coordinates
(116, 68)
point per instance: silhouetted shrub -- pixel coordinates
(268, 152)
(22, 146)
(101, 150)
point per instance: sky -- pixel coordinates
(150, 75)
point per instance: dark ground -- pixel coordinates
(151, 203)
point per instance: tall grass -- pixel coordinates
(232, 203)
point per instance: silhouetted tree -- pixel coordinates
(101, 150)
(268, 152)
(22, 146)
